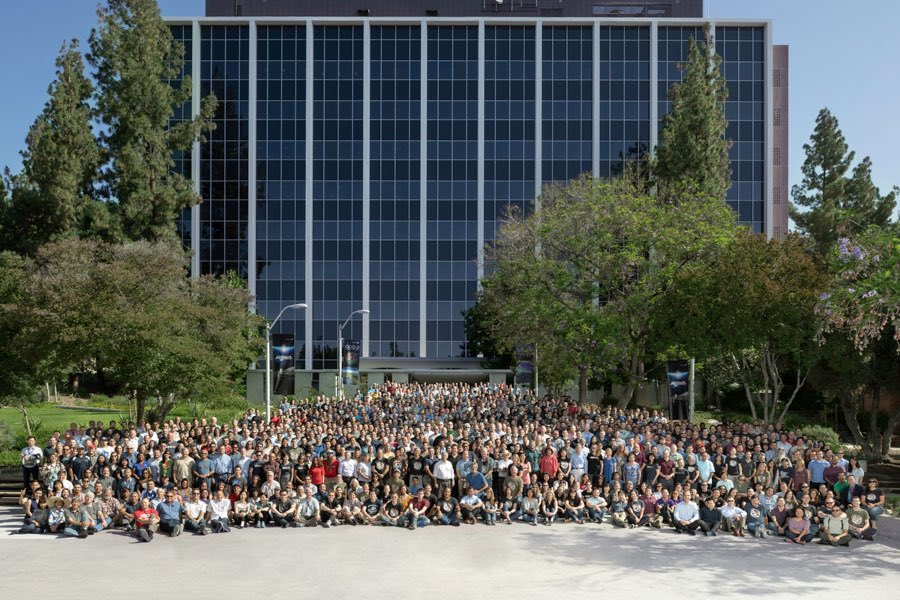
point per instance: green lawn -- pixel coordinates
(53, 417)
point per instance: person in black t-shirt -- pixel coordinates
(447, 509)
(391, 511)
(371, 510)
(710, 518)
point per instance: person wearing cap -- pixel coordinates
(873, 501)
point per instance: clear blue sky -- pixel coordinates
(843, 55)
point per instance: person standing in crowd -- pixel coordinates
(31, 457)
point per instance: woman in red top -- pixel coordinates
(317, 472)
(548, 463)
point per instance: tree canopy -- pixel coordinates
(692, 144)
(130, 315)
(135, 61)
(579, 278)
(831, 201)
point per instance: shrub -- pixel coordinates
(822, 434)
(7, 437)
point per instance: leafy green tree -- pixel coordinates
(850, 377)
(832, 201)
(135, 58)
(480, 340)
(50, 197)
(580, 277)
(129, 313)
(861, 332)
(752, 302)
(692, 145)
(16, 381)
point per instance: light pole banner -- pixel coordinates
(350, 351)
(679, 375)
(283, 363)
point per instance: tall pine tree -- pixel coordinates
(837, 202)
(51, 197)
(692, 145)
(135, 58)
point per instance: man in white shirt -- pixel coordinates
(443, 473)
(32, 456)
(347, 467)
(218, 513)
(733, 518)
(686, 517)
(195, 513)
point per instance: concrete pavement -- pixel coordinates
(516, 561)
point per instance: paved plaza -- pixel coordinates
(516, 561)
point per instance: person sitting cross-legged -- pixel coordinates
(686, 517)
(710, 518)
(860, 526)
(835, 530)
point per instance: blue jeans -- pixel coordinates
(449, 519)
(31, 528)
(793, 536)
(596, 514)
(575, 514)
(416, 521)
(490, 517)
(875, 512)
(198, 525)
(73, 530)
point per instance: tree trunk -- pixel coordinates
(101, 379)
(582, 385)
(888, 434)
(849, 401)
(140, 406)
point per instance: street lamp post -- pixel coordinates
(340, 350)
(269, 327)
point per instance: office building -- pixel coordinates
(365, 151)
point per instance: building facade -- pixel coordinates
(362, 158)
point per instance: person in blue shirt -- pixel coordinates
(476, 480)
(609, 466)
(817, 468)
(222, 464)
(170, 513)
(204, 470)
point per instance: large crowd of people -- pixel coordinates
(415, 455)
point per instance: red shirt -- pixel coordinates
(419, 504)
(331, 467)
(549, 465)
(143, 518)
(317, 475)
